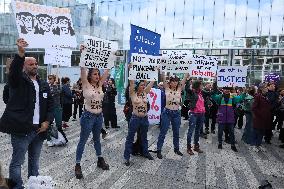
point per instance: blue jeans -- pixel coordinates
(89, 123)
(256, 137)
(136, 123)
(230, 127)
(196, 121)
(174, 117)
(21, 144)
(248, 130)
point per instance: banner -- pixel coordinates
(144, 67)
(44, 26)
(154, 98)
(272, 77)
(99, 53)
(58, 56)
(231, 76)
(176, 61)
(203, 66)
(119, 77)
(144, 41)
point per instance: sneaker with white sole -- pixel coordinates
(50, 144)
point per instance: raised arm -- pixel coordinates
(166, 85)
(16, 68)
(131, 88)
(83, 70)
(149, 87)
(104, 76)
(182, 84)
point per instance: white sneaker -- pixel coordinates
(50, 144)
(261, 148)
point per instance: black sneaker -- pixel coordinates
(220, 146)
(234, 148)
(127, 163)
(148, 156)
(207, 131)
(78, 172)
(178, 153)
(227, 141)
(159, 154)
(213, 132)
(116, 127)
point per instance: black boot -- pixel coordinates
(102, 164)
(178, 152)
(234, 148)
(78, 171)
(159, 154)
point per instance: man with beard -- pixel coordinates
(27, 115)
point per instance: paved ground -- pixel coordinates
(212, 169)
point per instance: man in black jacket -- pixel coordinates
(27, 115)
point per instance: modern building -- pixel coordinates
(85, 22)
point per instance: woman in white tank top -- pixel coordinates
(92, 118)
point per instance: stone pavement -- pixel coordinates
(212, 169)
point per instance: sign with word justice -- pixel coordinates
(98, 53)
(44, 26)
(144, 41)
(203, 66)
(154, 98)
(144, 67)
(58, 56)
(231, 76)
(176, 61)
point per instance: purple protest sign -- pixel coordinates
(272, 77)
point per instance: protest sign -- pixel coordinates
(272, 77)
(176, 61)
(143, 58)
(44, 26)
(154, 98)
(144, 41)
(98, 53)
(203, 66)
(231, 76)
(144, 67)
(58, 56)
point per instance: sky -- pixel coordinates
(175, 19)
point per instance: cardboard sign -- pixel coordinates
(99, 53)
(154, 98)
(176, 61)
(144, 71)
(58, 56)
(44, 26)
(203, 66)
(231, 76)
(148, 59)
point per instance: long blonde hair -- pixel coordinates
(2, 179)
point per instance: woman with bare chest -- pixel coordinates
(92, 118)
(171, 113)
(139, 118)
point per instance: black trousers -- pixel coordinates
(76, 106)
(109, 113)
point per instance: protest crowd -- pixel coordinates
(38, 110)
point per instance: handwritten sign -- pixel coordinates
(44, 26)
(154, 98)
(176, 61)
(99, 53)
(231, 76)
(144, 41)
(58, 56)
(143, 58)
(144, 71)
(203, 66)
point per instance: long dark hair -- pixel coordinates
(89, 76)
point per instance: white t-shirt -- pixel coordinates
(36, 110)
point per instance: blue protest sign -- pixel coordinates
(144, 41)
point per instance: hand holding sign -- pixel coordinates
(22, 44)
